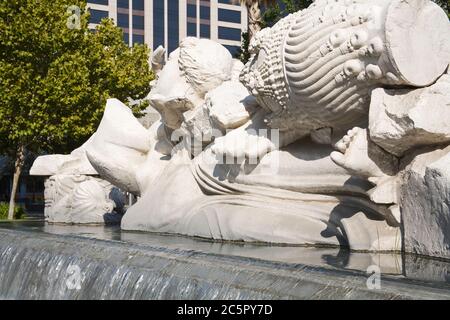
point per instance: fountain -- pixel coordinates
(42, 261)
(324, 158)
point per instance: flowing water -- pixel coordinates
(41, 261)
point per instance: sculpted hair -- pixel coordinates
(205, 64)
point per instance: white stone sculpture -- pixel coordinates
(203, 197)
(321, 149)
(317, 68)
(194, 69)
(74, 163)
(229, 106)
(82, 199)
(425, 201)
(403, 119)
(126, 139)
(73, 191)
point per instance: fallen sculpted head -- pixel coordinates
(195, 68)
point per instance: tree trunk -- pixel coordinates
(254, 18)
(20, 158)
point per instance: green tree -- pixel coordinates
(56, 74)
(281, 9)
(243, 54)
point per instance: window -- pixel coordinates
(173, 32)
(138, 4)
(138, 38)
(123, 4)
(122, 20)
(191, 29)
(158, 23)
(104, 2)
(230, 2)
(233, 50)
(205, 13)
(138, 22)
(97, 15)
(229, 15)
(205, 31)
(126, 38)
(229, 33)
(191, 10)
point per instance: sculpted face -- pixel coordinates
(49, 192)
(196, 67)
(172, 95)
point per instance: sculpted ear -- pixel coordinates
(418, 38)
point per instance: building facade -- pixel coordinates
(166, 22)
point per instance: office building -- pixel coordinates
(166, 22)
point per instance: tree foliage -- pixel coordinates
(19, 211)
(243, 54)
(281, 9)
(56, 74)
(55, 78)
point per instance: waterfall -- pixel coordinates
(40, 265)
